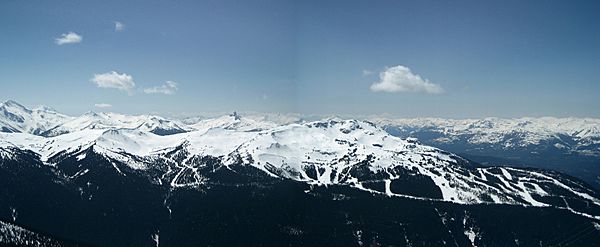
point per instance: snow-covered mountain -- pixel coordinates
(104, 121)
(45, 121)
(233, 122)
(15, 117)
(566, 135)
(570, 145)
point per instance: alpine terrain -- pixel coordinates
(106, 179)
(570, 145)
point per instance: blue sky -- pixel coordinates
(404, 58)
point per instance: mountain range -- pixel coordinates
(120, 180)
(570, 145)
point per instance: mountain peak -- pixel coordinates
(91, 114)
(12, 103)
(45, 108)
(18, 118)
(235, 115)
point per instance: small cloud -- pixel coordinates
(401, 79)
(112, 79)
(367, 72)
(102, 105)
(170, 87)
(68, 38)
(119, 26)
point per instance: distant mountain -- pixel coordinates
(570, 145)
(93, 120)
(564, 135)
(109, 181)
(45, 121)
(233, 122)
(15, 117)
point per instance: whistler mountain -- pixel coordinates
(571, 145)
(120, 180)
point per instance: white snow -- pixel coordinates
(19, 118)
(506, 174)
(388, 190)
(471, 236)
(104, 121)
(233, 122)
(156, 238)
(81, 156)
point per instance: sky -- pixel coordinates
(453, 59)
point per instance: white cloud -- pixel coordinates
(367, 72)
(401, 79)
(68, 38)
(123, 82)
(102, 105)
(170, 87)
(119, 26)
